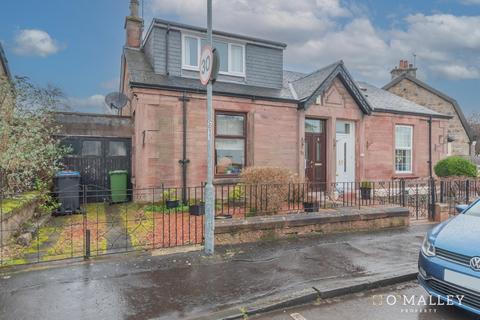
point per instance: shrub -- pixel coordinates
(270, 187)
(455, 166)
(30, 148)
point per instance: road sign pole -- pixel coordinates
(209, 190)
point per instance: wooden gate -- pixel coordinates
(95, 157)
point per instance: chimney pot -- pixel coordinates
(134, 8)
(134, 26)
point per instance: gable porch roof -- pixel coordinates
(310, 86)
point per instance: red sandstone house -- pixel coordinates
(323, 125)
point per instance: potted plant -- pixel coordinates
(366, 190)
(311, 206)
(236, 196)
(197, 209)
(170, 197)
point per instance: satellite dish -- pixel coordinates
(116, 100)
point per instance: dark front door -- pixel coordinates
(315, 151)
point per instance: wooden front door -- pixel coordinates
(315, 151)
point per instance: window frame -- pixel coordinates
(99, 140)
(229, 44)
(184, 52)
(221, 136)
(234, 73)
(411, 128)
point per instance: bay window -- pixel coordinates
(230, 140)
(403, 149)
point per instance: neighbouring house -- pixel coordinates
(404, 83)
(323, 125)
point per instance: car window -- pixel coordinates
(475, 210)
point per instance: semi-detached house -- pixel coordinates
(323, 125)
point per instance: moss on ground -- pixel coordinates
(11, 204)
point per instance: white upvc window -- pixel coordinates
(403, 149)
(232, 55)
(236, 59)
(190, 52)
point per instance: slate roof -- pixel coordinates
(143, 75)
(297, 87)
(306, 85)
(216, 32)
(383, 101)
(442, 95)
(4, 62)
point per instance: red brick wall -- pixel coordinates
(159, 113)
(274, 135)
(380, 144)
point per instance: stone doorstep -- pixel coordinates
(307, 219)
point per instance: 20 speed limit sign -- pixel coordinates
(209, 65)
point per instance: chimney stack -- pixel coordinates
(133, 26)
(404, 67)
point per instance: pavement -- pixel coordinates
(373, 305)
(238, 279)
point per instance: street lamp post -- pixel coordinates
(209, 190)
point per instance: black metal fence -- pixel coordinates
(458, 191)
(34, 229)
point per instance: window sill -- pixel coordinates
(190, 68)
(219, 180)
(407, 176)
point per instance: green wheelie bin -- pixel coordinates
(118, 185)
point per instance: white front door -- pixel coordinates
(345, 137)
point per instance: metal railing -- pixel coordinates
(33, 229)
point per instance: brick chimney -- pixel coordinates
(404, 67)
(133, 26)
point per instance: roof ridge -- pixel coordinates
(336, 63)
(426, 86)
(218, 32)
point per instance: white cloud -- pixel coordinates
(286, 20)
(319, 32)
(456, 71)
(34, 42)
(91, 104)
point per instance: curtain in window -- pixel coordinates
(237, 58)
(191, 51)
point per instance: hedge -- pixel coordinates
(455, 166)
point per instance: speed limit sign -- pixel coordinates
(209, 65)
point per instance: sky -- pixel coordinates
(77, 45)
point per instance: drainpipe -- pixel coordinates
(167, 36)
(430, 170)
(184, 161)
(430, 161)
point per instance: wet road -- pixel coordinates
(190, 285)
(372, 305)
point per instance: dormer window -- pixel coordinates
(191, 52)
(232, 55)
